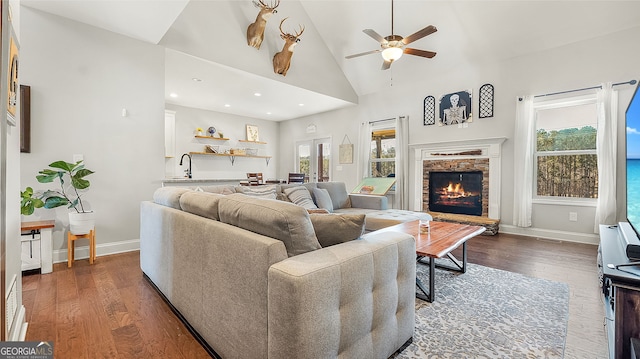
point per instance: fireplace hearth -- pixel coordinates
(456, 192)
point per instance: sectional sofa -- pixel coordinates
(262, 278)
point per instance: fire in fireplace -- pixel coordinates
(456, 192)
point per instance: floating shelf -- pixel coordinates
(232, 158)
(213, 138)
(258, 142)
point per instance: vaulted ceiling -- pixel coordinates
(206, 40)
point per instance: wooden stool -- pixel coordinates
(71, 246)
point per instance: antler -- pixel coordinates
(280, 27)
(261, 4)
(284, 33)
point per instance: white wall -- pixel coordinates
(81, 78)
(11, 185)
(584, 64)
(234, 128)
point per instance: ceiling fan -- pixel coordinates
(393, 46)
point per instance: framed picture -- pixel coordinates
(345, 152)
(455, 108)
(12, 81)
(25, 118)
(252, 133)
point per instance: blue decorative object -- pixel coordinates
(211, 130)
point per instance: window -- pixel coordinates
(383, 153)
(566, 164)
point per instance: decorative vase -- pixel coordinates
(81, 223)
(199, 133)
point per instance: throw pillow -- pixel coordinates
(300, 195)
(267, 192)
(338, 193)
(336, 228)
(323, 200)
(317, 211)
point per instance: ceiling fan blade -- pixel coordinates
(375, 35)
(361, 54)
(419, 34)
(416, 52)
(386, 65)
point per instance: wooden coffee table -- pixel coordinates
(442, 238)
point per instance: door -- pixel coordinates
(313, 158)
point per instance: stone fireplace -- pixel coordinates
(460, 177)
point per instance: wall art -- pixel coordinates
(252, 133)
(485, 102)
(429, 108)
(12, 81)
(455, 108)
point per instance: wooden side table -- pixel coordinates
(44, 230)
(71, 238)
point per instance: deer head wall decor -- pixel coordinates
(255, 31)
(282, 59)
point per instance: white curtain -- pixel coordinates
(523, 162)
(402, 163)
(364, 146)
(606, 148)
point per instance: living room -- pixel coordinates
(82, 77)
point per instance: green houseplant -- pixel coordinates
(71, 178)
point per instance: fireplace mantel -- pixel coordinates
(490, 148)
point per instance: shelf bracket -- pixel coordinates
(267, 159)
(232, 159)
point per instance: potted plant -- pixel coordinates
(71, 177)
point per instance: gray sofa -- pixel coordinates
(250, 277)
(375, 208)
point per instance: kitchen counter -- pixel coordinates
(183, 181)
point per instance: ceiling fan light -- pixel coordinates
(391, 53)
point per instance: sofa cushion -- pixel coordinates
(338, 193)
(267, 192)
(203, 204)
(322, 198)
(169, 196)
(221, 189)
(334, 228)
(300, 195)
(276, 219)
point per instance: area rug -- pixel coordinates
(490, 313)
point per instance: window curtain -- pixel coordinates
(364, 144)
(606, 149)
(402, 163)
(523, 162)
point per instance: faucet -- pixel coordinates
(188, 171)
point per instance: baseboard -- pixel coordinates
(18, 331)
(105, 249)
(551, 234)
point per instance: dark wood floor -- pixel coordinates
(108, 310)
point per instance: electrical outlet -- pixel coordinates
(573, 216)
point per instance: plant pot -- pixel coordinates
(81, 223)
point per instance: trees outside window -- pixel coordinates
(566, 161)
(383, 153)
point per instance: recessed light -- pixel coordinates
(173, 94)
(300, 104)
(227, 105)
(268, 113)
(258, 94)
(196, 79)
